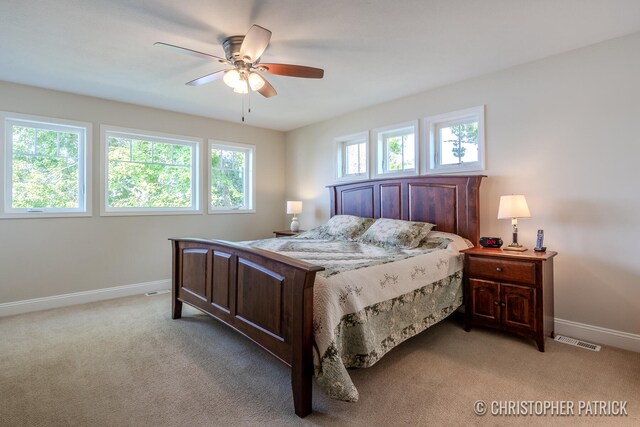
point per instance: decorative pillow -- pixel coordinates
(396, 233)
(339, 227)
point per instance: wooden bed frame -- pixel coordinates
(269, 297)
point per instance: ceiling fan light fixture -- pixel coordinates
(241, 87)
(231, 78)
(256, 81)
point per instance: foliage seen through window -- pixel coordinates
(399, 152)
(229, 178)
(459, 143)
(149, 174)
(45, 170)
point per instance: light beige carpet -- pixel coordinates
(124, 362)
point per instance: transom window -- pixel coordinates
(397, 150)
(231, 180)
(456, 141)
(353, 156)
(45, 167)
(149, 173)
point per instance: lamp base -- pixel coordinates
(295, 225)
(514, 248)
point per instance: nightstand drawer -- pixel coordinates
(502, 269)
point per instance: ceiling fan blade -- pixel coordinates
(292, 70)
(190, 51)
(206, 79)
(254, 43)
(267, 90)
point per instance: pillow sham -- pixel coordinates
(339, 227)
(396, 233)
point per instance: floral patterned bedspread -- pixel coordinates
(370, 299)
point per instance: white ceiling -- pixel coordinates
(372, 51)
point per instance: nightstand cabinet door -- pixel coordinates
(485, 300)
(519, 305)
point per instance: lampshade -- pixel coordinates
(294, 207)
(231, 78)
(513, 206)
(241, 87)
(256, 81)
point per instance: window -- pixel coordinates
(45, 167)
(397, 150)
(353, 156)
(149, 173)
(456, 141)
(231, 177)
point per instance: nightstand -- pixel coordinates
(287, 233)
(510, 291)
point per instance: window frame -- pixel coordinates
(250, 173)
(152, 136)
(434, 146)
(85, 129)
(342, 142)
(380, 145)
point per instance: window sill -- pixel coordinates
(149, 213)
(398, 174)
(36, 215)
(455, 169)
(360, 177)
(231, 211)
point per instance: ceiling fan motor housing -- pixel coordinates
(231, 46)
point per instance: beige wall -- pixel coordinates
(564, 132)
(45, 257)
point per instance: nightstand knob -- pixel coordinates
(496, 303)
(502, 304)
(498, 268)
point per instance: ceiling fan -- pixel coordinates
(243, 53)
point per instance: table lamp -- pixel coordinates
(514, 207)
(294, 207)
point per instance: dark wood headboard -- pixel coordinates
(449, 201)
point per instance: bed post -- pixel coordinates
(472, 211)
(302, 340)
(176, 304)
(332, 196)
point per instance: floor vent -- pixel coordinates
(577, 343)
(149, 294)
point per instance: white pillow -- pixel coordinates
(457, 242)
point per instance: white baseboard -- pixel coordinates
(36, 304)
(598, 335)
(595, 334)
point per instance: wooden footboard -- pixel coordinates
(263, 295)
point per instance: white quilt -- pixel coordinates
(370, 299)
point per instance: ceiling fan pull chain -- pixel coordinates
(243, 109)
(249, 99)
